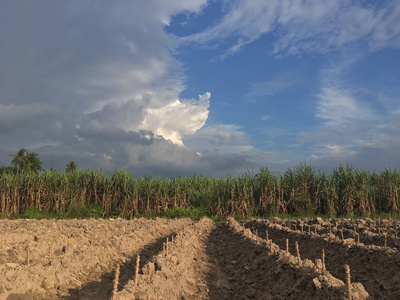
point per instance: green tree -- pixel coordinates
(25, 161)
(71, 167)
(19, 159)
(33, 163)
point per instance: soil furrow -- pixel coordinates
(377, 270)
(247, 273)
(99, 290)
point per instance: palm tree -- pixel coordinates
(71, 167)
(33, 163)
(19, 159)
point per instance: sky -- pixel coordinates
(175, 87)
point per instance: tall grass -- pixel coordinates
(303, 190)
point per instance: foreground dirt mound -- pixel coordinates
(49, 259)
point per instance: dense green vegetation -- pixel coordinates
(299, 191)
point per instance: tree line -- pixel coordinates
(29, 162)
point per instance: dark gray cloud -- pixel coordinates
(140, 153)
(96, 83)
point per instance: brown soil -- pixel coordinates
(371, 232)
(249, 272)
(72, 258)
(182, 274)
(209, 261)
(375, 267)
(76, 259)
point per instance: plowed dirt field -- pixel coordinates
(180, 259)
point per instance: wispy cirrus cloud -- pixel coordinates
(272, 87)
(338, 107)
(357, 127)
(305, 26)
(368, 147)
(265, 117)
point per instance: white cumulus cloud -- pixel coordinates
(178, 118)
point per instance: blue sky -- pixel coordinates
(214, 87)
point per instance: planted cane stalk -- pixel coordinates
(137, 269)
(297, 252)
(116, 280)
(348, 282)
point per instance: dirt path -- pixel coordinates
(377, 270)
